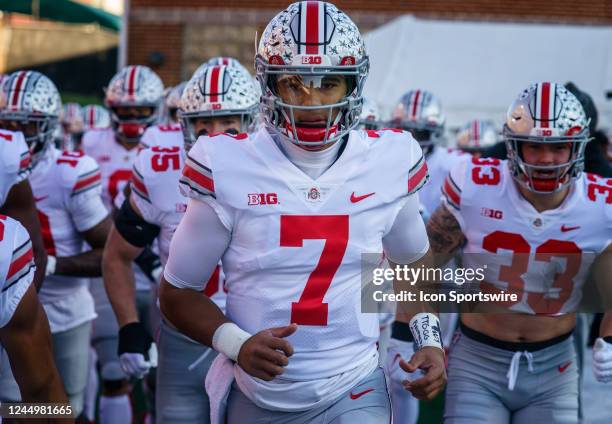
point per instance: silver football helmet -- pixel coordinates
(138, 87)
(220, 60)
(307, 48)
(420, 112)
(71, 118)
(546, 112)
(95, 117)
(173, 100)
(477, 134)
(217, 91)
(30, 103)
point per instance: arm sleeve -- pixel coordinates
(85, 202)
(194, 253)
(452, 187)
(407, 240)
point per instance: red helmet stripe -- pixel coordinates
(545, 105)
(19, 83)
(214, 83)
(312, 27)
(475, 129)
(91, 116)
(224, 61)
(415, 104)
(132, 81)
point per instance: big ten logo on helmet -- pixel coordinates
(312, 60)
(492, 213)
(263, 199)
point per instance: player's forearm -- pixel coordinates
(86, 264)
(120, 286)
(180, 305)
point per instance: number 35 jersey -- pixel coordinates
(543, 257)
(155, 190)
(297, 243)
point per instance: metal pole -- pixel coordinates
(123, 36)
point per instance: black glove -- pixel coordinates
(150, 264)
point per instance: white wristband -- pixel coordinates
(425, 328)
(51, 264)
(228, 339)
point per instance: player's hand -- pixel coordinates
(602, 360)
(397, 351)
(431, 361)
(137, 352)
(265, 354)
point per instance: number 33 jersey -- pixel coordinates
(297, 243)
(543, 257)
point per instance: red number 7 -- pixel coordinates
(334, 229)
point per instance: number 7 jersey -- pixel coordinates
(543, 257)
(297, 243)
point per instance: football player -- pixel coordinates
(24, 331)
(523, 222)
(168, 132)
(420, 112)
(133, 97)
(154, 209)
(71, 120)
(289, 210)
(370, 115)
(66, 188)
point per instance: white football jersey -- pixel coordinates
(16, 266)
(439, 163)
(67, 191)
(115, 161)
(297, 243)
(116, 164)
(155, 190)
(163, 135)
(14, 161)
(543, 257)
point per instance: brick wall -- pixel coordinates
(186, 32)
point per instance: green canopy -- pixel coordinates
(63, 11)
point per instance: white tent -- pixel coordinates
(477, 68)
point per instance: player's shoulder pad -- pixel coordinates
(14, 153)
(78, 172)
(19, 248)
(402, 152)
(455, 180)
(197, 177)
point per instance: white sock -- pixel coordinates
(115, 410)
(91, 390)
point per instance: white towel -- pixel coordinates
(218, 383)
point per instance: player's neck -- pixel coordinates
(126, 145)
(544, 202)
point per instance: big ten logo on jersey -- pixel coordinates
(165, 158)
(486, 171)
(599, 188)
(262, 199)
(491, 213)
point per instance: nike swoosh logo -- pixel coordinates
(358, 395)
(38, 199)
(565, 229)
(562, 368)
(355, 199)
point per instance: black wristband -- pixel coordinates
(401, 331)
(134, 338)
(608, 339)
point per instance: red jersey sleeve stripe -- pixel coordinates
(201, 180)
(20, 262)
(451, 193)
(139, 186)
(418, 177)
(86, 182)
